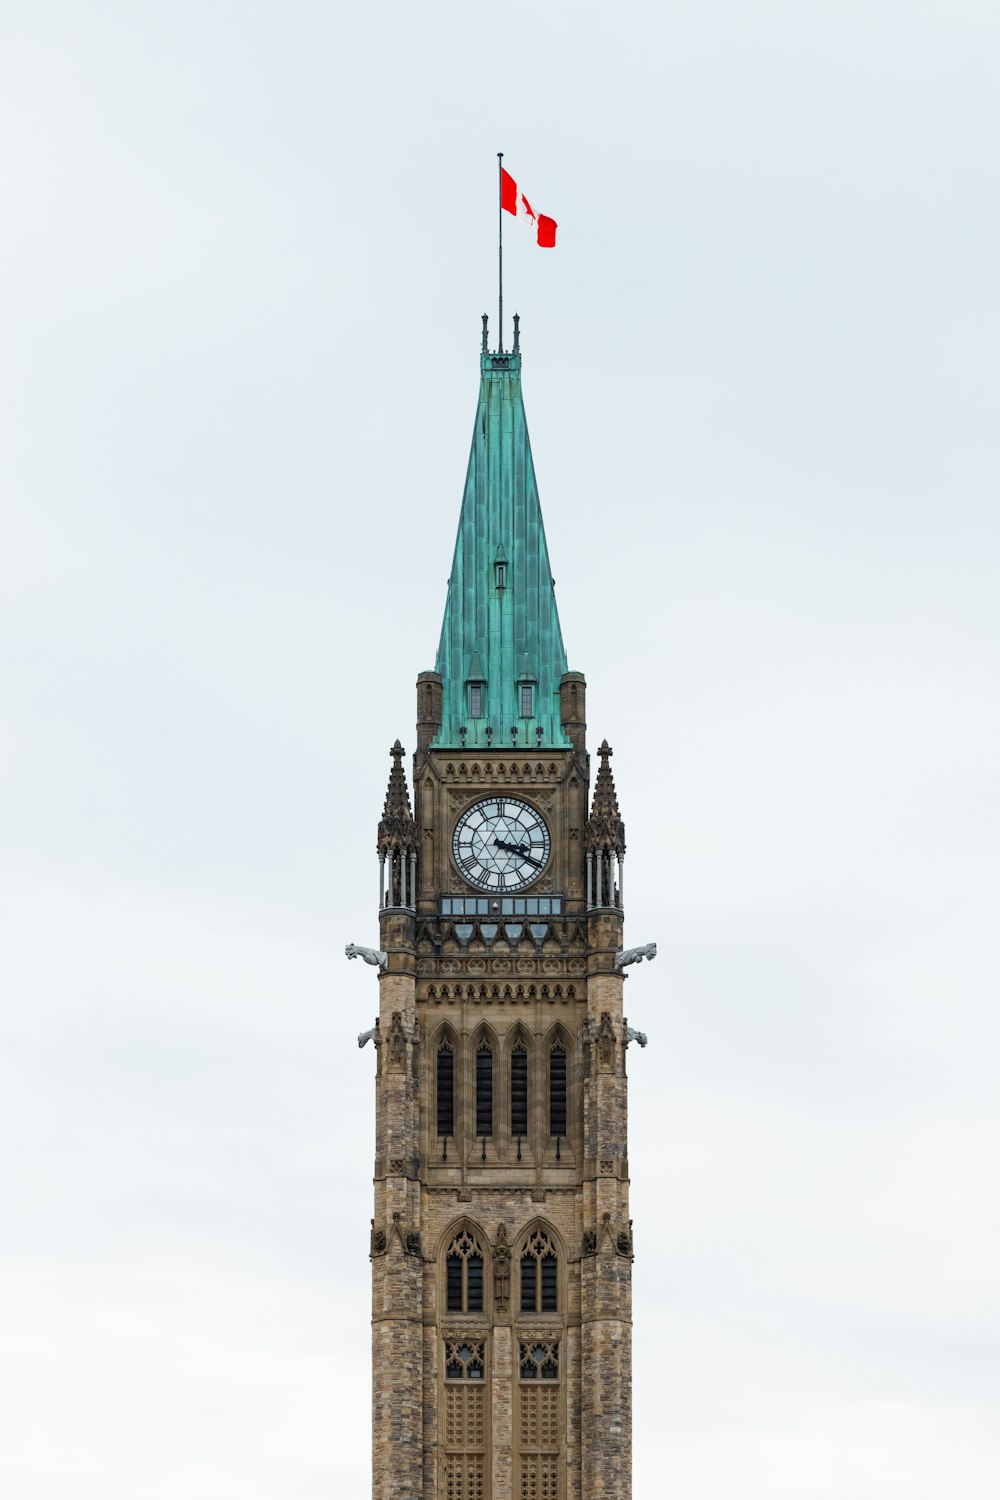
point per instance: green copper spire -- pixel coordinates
(501, 655)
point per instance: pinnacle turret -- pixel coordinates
(396, 830)
(397, 839)
(605, 830)
(605, 838)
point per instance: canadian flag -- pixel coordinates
(513, 200)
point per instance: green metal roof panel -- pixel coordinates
(501, 610)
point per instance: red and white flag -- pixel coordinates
(513, 200)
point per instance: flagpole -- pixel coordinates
(500, 222)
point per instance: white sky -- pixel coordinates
(244, 254)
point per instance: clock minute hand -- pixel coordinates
(521, 849)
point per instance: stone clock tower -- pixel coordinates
(501, 1243)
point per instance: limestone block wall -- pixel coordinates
(397, 1246)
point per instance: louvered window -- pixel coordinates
(484, 1091)
(529, 1279)
(464, 1274)
(539, 1275)
(445, 1091)
(519, 1091)
(557, 1091)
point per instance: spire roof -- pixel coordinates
(501, 625)
(605, 829)
(396, 829)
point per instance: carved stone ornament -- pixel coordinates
(590, 1242)
(501, 1269)
(606, 1041)
(397, 1166)
(396, 1041)
(411, 1242)
(623, 1243)
(607, 1166)
(396, 832)
(605, 829)
(378, 1241)
(634, 955)
(374, 956)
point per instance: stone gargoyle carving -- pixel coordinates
(373, 956)
(631, 1035)
(369, 1036)
(634, 955)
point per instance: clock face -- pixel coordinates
(501, 844)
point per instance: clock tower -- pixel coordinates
(501, 1242)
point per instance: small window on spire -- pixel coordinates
(500, 568)
(475, 700)
(527, 695)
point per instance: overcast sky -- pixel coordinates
(245, 251)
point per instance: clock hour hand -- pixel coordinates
(521, 849)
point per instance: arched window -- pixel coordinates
(539, 1278)
(519, 1090)
(445, 1090)
(484, 1090)
(557, 1090)
(464, 1274)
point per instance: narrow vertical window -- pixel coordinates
(557, 1090)
(475, 700)
(464, 1281)
(550, 1294)
(519, 1091)
(445, 1091)
(539, 1275)
(529, 1271)
(484, 1091)
(501, 575)
(474, 1300)
(454, 1283)
(527, 693)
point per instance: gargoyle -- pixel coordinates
(373, 956)
(634, 955)
(631, 1035)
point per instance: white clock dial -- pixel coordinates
(501, 844)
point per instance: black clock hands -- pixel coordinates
(521, 849)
